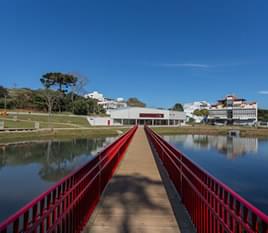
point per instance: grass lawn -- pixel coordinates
(213, 130)
(60, 134)
(197, 129)
(81, 121)
(76, 127)
(8, 123)
(57, 125)
(56, 121)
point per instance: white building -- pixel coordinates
(189, 109)
(140, 116)
(95, 95)
(107, 103)
(233, 110)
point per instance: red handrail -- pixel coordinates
(67, 205)
(212, 205)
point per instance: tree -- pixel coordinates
(84, 106)
(191, 120)
(177, 107)
(201, 112)
(3, 92)
(94, 107)
(81, 107)
(49, 97)
(63, 81)
(263, 114)
(135, 102)
(81, 83)
(24, 98)
(79, 87)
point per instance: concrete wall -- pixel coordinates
(134, 113)
(175, 115)
(120, 116)
(100, 121)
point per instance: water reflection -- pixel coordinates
(27, 169)
(232, 147)
(244, 166)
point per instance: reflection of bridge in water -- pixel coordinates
(143, 195)
(230, 146)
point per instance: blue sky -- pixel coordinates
(162, 52)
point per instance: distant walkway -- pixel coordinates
(135, 200)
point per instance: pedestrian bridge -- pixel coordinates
(138, 184)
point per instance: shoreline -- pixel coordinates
(69, 133)
(213, 130)
(9, 137)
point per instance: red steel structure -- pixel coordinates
(212, 205)
(67, 206)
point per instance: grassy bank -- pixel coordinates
(53, 121)
(213, 130)
(60, 134)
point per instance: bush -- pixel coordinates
(81, 107)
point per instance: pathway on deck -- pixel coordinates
(135, 201)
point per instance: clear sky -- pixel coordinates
(161, 51)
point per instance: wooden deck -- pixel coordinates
(135, 200)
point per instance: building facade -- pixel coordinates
(233, 110)
(95, 95)
(107, 103)
(141, 116)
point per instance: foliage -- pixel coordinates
(3, 92)
(263, 114)
(10, 104)
(201, 112)
(63, 81)
(18, 98)
(87, 106)
(177, 107)
(49, 100)
(135, 102)
(81, 107)
(191, 120)
(79, 87)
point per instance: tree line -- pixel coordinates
(60, 93)
(263, 114)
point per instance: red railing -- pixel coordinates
(67, 206)
(212, 205)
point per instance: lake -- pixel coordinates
(241, 163)
(28, 169)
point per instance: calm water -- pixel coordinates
(28, 169)
(241, 163)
